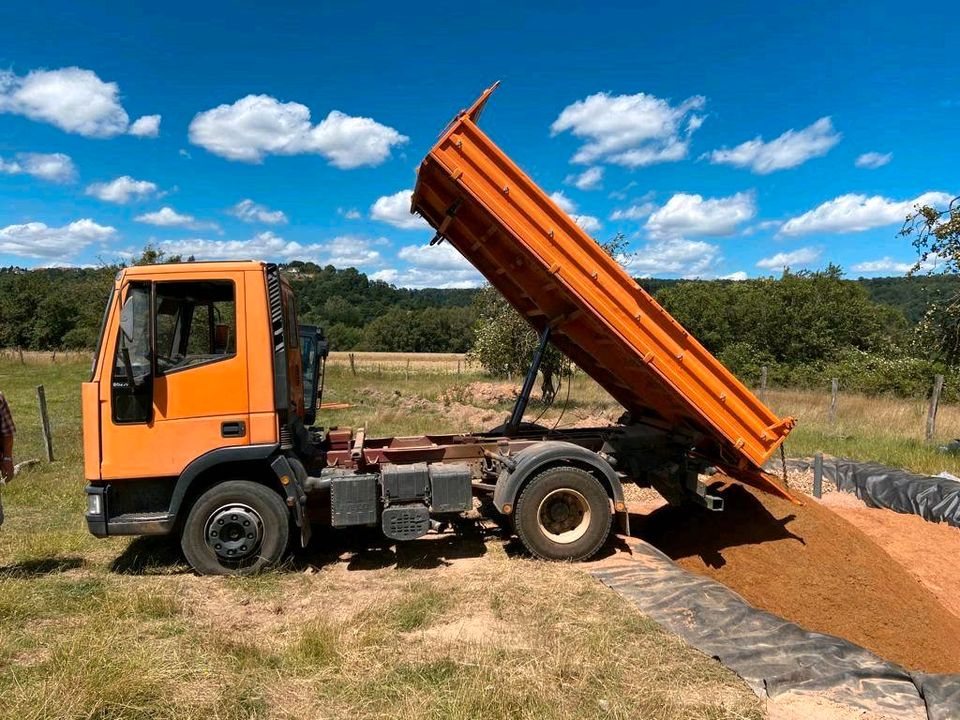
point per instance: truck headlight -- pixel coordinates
(94, 504)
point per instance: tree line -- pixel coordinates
(884, 334)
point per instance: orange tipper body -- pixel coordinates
(556, 275)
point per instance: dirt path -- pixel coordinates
(811, 566)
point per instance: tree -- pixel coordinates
(935, 234)
(505, 342)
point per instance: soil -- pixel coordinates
(929, 551)
(810, 565)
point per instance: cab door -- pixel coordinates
(179, 379)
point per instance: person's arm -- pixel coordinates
(7, 431)
(6, 468)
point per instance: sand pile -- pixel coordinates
(811, 566)
(929, 551)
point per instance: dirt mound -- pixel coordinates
(929, 551)
(811, 566)
(482, 393)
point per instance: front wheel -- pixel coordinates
(236, 528)
(563, 514)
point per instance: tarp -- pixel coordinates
(772, 655)
(933, 498)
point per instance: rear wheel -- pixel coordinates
(236, 528)
(563, 514)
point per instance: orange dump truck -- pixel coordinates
(199, 416)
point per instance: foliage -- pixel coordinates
(936, 236)
(801, 318)
(504, 342)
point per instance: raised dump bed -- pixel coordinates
(556, 275)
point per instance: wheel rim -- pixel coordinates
(564, 515)
(234, 532)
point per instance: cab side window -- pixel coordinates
(130, 382)
(196, 324)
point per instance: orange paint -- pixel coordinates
(555, 274)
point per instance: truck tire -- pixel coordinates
(563, 514)
(237, 527)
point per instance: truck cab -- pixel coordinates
(200, 371)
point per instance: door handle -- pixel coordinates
(233, 429)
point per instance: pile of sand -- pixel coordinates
(809, 565)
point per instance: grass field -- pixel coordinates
(451, 627)
(444, 628)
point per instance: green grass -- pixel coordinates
(120, 628)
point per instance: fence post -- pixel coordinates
(458, 367)
(818, 475)
(934, 406)
(763, 383)
(45, 423)
(407, 373)
(20, 352)
(353, 367)
(834, 387)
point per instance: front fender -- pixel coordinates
(549, 453)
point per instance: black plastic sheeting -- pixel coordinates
(933, 498)
(772, 655)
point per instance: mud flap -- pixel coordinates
(296, 497)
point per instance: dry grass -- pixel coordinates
(440, 628)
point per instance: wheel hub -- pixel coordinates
(234, 532)
(564, 515)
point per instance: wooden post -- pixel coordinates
(834, 387)
(934, 406)
(763, 383)
(458, 367)
(353, 367)
(818, 475)
(20, 351)
(45, 423)
(407, 373)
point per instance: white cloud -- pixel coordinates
(634, 212)
(630, 130)
(437, 257)
(686, 214)
(589, 179)
(792, 148)
(588, 223)
(55, 167)
(260, 125)
(168, 217)
(884, 264)
(416, 277)
(739, 276)
(855, 213)
(873, 160)
(437, 266)
(342, 251)
(122, 190)
(73, 99)
(146, 126)
(251, 212)
(795, 258)
(37, 240)
(675, 256)
(349, 213)
(395, 210)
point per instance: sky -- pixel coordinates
(722, 139)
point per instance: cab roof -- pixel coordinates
(192, 267)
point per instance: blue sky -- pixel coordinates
(722, 139)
